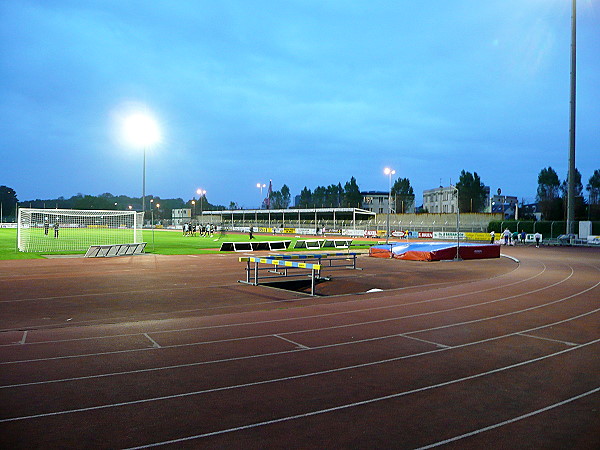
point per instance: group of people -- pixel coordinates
(514, 238)
(190, 229)
(56, 227)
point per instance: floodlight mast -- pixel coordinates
(389, 172)
(141, 130)
(572, 123)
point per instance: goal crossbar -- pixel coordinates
(65, 230)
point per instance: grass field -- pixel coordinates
(161, 242)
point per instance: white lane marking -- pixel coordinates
(304, 347)
(547, 339)
(355, 404)
(154, 343)
(398, 358)
(509, 421)
(328, 328)
(391, 297)
(22, 341)
(389, 319)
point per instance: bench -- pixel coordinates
(107, 251)
(252, 271)
(252, 246)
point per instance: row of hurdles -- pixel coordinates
(278, 266)
(315, 244)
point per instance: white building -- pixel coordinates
(440, 200)
(377, 202)
(181, 216)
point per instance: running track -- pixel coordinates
(146, 351)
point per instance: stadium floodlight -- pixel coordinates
(201, 193)
(389, 172)
(141, 130)
(60, 230)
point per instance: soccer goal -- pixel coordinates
(59, 230)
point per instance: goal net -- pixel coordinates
(59, 230)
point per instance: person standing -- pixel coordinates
(251, 232)
(538, 238)
(492, 237)
(506, 235)
(46, 226)
(56, 227)
(523, 236)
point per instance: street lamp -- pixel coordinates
(389, 172)
(201, 193)
(193, 208)
(141, 130)
(261, 186)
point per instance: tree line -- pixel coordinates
(472, 193)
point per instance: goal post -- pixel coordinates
(60, 230)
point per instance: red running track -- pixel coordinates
(146, 351)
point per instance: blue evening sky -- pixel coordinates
(302, 92)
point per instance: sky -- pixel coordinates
(300, 92)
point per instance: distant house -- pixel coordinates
(181, 216)
(377, 201)
(440, 200)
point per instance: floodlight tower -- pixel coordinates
(571, 175)
(261, 186)
(141, 130)
(389, 172)
(201, 193)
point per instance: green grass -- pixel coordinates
(160, 242)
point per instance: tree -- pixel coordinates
(352, 195)
(564, 187)
(285, 196)
(551, 205)
(8, 199)
(305, 198)
(471, 192)
(548, 185)
(593, 187)
(404, 196)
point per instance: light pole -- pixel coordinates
(457, 257)
(389, 172)
(571, 176)
(141, 130)
(261, 186)
(201, 193)
(193, 208)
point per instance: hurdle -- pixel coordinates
(108, 251)
(253, 277)
(323, 243)
(309, 243)
(323, 258)
(252, 246)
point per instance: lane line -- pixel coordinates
(154, 343)
(547, 339)
(360, 403)
(329, 328)
(361, 300)
(507, 422)
(304, 347)
(22, 341)
(384, 361)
